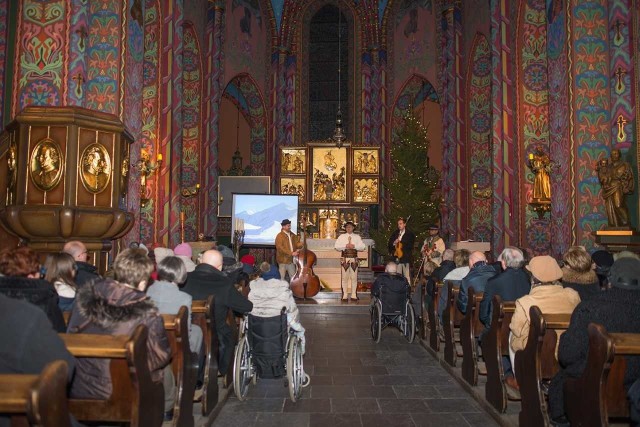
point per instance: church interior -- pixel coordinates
(498, 123)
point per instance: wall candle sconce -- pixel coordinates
(146, 169)
(190, 191)
(485, 193)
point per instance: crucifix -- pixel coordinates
(618, 37)
(621, 122)
(79, 81)
(619, 75)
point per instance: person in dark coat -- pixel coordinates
(603, 261)
(617, 310)
(208, 279)
(511, 284)
(117, 307)
(578, 274)
(28, 342)
(21, 280)
(446, 266)
(389, 279)
(400, 245)
(477, 278)
(86, 272)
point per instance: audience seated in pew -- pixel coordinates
(461, 259)
(446, 266)
(477, 278)
(208, 279)
(60, 271)
(578, 273)
(416, 294)
(617, 310)
(167, 296)
(28, 342)
(22, 279)
(547, 293)
(603, 260)
(86, 272)
(116, 307)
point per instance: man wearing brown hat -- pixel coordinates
(547, 293)
(287, 246)
(349, 244)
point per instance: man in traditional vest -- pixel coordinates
(287, 246)
(349, 244)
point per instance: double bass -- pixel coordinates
(305, 283)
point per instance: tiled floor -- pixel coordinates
(355, 382)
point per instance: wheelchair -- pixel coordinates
(393, 308)
(268, 348)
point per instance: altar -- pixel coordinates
(328, 267)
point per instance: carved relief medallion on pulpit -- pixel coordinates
(95, 168)
(46, 164)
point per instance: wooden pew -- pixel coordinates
(495, 345)
(599, 393)
(135, 398)
(470, 329)
(434, 321)
(423, 310)
(451, 318)
(202, 313)
(537, 362)
(184, 366)
(36, 400)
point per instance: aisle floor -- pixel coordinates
(356, 382)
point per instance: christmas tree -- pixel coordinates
(412, 187)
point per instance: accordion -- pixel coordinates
(350, 253)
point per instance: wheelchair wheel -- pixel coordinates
(409, 323)
(242, 370)
(295, 368)
(376, 322)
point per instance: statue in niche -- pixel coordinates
(616, 177)
(541, 166)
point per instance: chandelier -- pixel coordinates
(338, 135)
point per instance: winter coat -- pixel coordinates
(269, 296)
(511, 284)
(615, 309)
(477, 278)
(38, 292)
(108, 307)
(551, 299)
(206, 280)
(86, 273)
(283, 249)
(586, 284)
(395, 282)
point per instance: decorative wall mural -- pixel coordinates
(329, 175)
(46, 164)
(95, 168)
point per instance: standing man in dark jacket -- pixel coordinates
(401, 247)
(511, 284)
(208, 279)
(478, 275)
(86, 272)
(617, 310)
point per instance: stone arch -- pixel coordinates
(252, 105)
(479, 153)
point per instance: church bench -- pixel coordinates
(538, 363)
(495, 346)
(470, 330)
(423, 310)
(432, 313)
(202, 315)
(36, 400)
(184, 366)
(451, 318)
(599, 394)
(135, 398)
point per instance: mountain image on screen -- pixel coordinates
(261, 226)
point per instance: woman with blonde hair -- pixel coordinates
(578, 273)
(61, 273)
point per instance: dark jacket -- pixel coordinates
(511, 284)
(615, 309)
(86, 273)
(408, 240)
(108, 307)
(586, 284)
(38, 292)
(438, 274)
(206, 280)
(395, 282)
(477, 278)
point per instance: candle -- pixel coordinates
(530, 156)
(159, 157)
(182, 216)
(475, 185)
(197, 186)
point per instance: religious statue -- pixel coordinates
(541, 166)
(616, 178)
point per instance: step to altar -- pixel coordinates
(331, 303)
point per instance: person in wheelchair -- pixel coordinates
(270, 294)
(391, 304)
